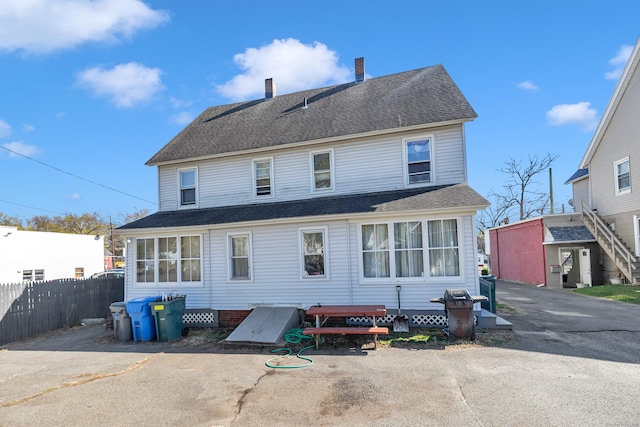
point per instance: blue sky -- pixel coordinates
(90, 90)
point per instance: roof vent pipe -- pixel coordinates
(359, 70)
(269, 88)
(304, 103)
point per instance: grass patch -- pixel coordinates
(399, 338)
(623, 293)
(505, 308)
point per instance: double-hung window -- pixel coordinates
(168, 259)
(375, 250)
(263, 177)
(188, 179)
(240, 256)
(313, 252)
(408, 249)
(190, 258)
(444, 252)
(414, 254)
(145, 260)
(321, 163)
(418, 160)
(622, 176)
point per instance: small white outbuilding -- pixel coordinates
(40, 255)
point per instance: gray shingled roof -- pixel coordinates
(412, 98)
(425, 198)
(578, 233)
(580, 173)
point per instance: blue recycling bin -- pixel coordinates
(143, 322)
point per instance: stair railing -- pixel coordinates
(617, 250)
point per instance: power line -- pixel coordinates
(32, 207)
(76, 176)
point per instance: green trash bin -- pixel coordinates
(168, 318)
(488, 289)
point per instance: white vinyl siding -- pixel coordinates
(373, 164)
(277, 275)
(620, 140)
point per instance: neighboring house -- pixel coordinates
(327, 196)
(551, 250)
(607, 193)
(40, 255)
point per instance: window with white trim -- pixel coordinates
(622, 176)
(313, 242)
(172, 259)
(263, 177)
(322, 170)
(190, 259)
(408, 249)
(240, 256)
(145, 260)
(411, 251)
(444, 251)
(33, 275)
(419, 160)
(188, 179)
(375, 250)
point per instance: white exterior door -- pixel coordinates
(585, 266)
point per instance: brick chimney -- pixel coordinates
(359, 70)
(269, 88)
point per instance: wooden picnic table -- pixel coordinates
(323, 313)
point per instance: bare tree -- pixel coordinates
(521, 190)
(521, 197)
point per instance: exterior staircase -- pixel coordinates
(608, 240)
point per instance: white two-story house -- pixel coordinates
(334, 195)
(606, 187)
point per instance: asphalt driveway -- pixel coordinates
(571, 361)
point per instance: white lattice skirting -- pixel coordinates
(416, 320)
(199, 318)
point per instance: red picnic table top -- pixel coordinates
(347, 310)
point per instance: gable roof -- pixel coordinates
(623, 83)
(425, 96)
(449, 197)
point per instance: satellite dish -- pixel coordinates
(570, 202)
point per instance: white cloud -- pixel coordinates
(42, 26)
(16, 149)
(528, 85)
(618, 62)
(181, 118)
(5, 129)
(74, 196)
(28, 128)
(293, 65)
(126, 84)
(580, 114)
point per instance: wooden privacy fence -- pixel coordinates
(32, 308)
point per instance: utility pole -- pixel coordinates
(113, 245)
(551, 211)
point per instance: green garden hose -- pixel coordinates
(293, 336)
